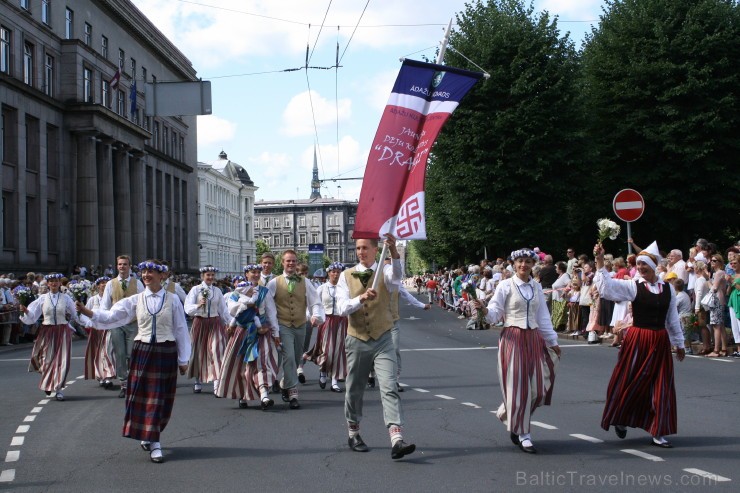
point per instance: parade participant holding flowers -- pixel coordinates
(641, 392)
(528, 348)
(51, 350)
(161, 347)
(206, 304)
(99, 363)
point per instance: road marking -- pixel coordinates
(70, 382)
(421, 390)
(36, 409)
(13, 456)
(451, 348)
(708, 475)
(80, 377)
(587, 438)
(7, 476)
(17, 441)
(446, 397)
(644, 455)
(470, 404)
(403, 384)
(541, 425)
(23, 428)
(44, 401)
(28, 419)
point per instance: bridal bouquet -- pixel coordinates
(607, 229)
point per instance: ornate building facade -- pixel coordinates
(225, 212)
(85, 174)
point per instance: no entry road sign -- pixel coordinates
(628, 205)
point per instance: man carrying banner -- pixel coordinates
(369, 342)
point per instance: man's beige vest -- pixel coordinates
(116, 290)
(394, 306)
(374, 318)
(291, 307)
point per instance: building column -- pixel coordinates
(106, 204)
(87, 203)
(138, 206)
(122, 196)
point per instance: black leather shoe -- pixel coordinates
(322, 384)
(294, 404)
(357, 444)
(284, 395)
(400, 389)
(665, 444)
(146, 446)
(122, 393)
(243, 404)
(275, 387)
(621, 433)
(529, 450)
(402, 448)
(371, 382)
(514, 438)
(266, 404)
(337, 388)
(302, 378)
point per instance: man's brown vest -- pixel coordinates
(374, 318)
(291, 307)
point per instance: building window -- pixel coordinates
(155, 135)
(105, 92)
(351, 219)
(104, 47)
(4, 50)
(24, 4)
(286, 221)
(133, 69)
(9, 144)
(49, 75)
(52, 151)
(266, 223)
(165, 139)
(28, 63)
(69, 18)
(174, 145)
(143, 74)
(10, 214)
(314, 238)
(276, 222)
(302, 221)
(121, 59)
(276, 240)
(286, 240)
(147, 122)
(46, 11)
(33, 153)
(302, 239)
(256, 225)
(88, 34)
(182, 148)
(87, 85)
(314, 221)
(121, 106)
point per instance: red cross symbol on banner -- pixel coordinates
(409, 218)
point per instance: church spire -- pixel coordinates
(315, 183)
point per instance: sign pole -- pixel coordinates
(629, 235)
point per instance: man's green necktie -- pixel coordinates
(363, 276)
(293, 279)
(124, 285)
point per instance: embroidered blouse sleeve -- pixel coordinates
(34, 310)
(497, 304)
(614, 289)
(122, 313)
(179, 329)
(544, 321)
(191, 301)
(673, 322)
(345, 305)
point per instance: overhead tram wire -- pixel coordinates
(336, 94)
(319, 34)
(354, 31)
(313, 112)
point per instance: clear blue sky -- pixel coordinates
(266, 119)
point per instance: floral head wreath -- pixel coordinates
(524, 252)
(238, 278)
(54, 276)
(208, 268)
(153, 266)
(101, 279)
(244, 284)
(335, 266)
(249, 267)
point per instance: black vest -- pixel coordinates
(649, 310)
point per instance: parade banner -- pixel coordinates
(392, 196)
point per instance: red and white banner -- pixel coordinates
(392, 196)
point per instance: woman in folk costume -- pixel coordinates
(232, 377)
(99, 362)
(528, 348)
(641, 392)
(51, 350)
(328, 352)
(161, 347)
(206, 304)
(254, 312)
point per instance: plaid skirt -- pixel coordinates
(150, 392)
(209, 339)
(50, 356)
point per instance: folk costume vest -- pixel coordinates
(145, 319)
(394, 306)
(521, 310)
(55, 312)
(116, 289)
(649, 310)
(374, 318)
(291, 307)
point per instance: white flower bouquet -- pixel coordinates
(607, 229)
(80, 290)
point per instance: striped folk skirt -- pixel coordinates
(50, 356)
(262, 371)
(526, 372)
(641, 392)
(233, 381)
(150, 391)
(209, 339)
(99, 363)
(329, 353)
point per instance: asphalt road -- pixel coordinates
(451, 386)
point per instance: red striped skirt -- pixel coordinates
(526, 372)
(50, 356)
(99, 363)
(209, 339)
(641, 392)
(262, 371)
(329, 353)
(150, 392)
(233, 382)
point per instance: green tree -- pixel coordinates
(262, 247)
(415, 264)
(661, 83)
(505, 169)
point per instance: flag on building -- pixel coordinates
(132, 97)
(115, 80)
(392, 196)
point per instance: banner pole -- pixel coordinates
(443, 44)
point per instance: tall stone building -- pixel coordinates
(225, 213)
(294, 224)
(85, 175)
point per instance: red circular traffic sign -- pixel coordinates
(628, 205)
